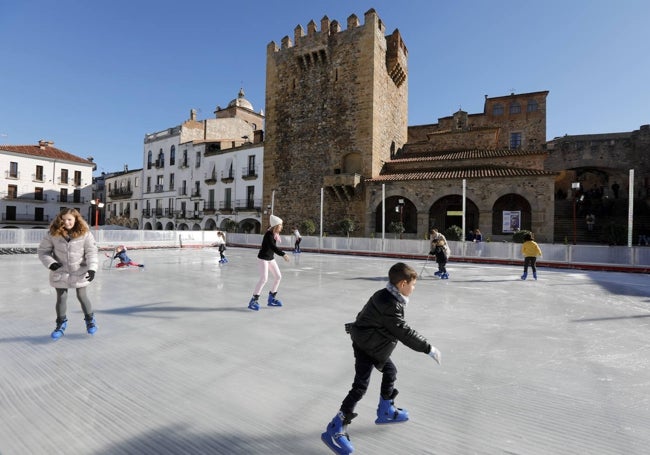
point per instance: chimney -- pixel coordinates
(43, 143)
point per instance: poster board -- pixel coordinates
(511, 220)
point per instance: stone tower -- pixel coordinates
(336, 109)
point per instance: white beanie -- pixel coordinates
(275, 220)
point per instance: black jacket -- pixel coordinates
(269, 247)
(380, 325)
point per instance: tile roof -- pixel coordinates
(46, 151)
(409, 157)
(462, 173)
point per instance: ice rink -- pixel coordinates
(179, 365)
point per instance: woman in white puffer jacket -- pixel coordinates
(70, 252)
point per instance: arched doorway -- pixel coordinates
(510, 213)
(398, 209)
(448, 211)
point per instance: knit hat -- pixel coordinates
(275, 220)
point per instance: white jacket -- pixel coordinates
(76, 257)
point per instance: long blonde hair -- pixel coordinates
(57, 227)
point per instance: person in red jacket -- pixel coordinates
(375, 333)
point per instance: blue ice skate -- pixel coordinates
(273, 301)
(535, 275)
(336, 436)
(438, 273)
(524, 276)
(444, 276)
(254, 305)
(388, 413)
(91, 326)
(59, 331)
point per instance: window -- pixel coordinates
(63, 195)
(159, 183)
(12, 191)
(160, 162)
(227, 199)
(515, 141)
(198, 160)
(184, 163)
(38, 193)
(497, 110)
(172, 156)
(148, 184)
(251, 165)
(137, 181)
(76, 196)
(531, 106)
(149, 159)
(171, 182)
(77, 178)
(39, 174)
(39, 214)
(184, 188)
(515, 107)
(64, 176)
(13, 170)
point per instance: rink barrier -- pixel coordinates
(593, 257)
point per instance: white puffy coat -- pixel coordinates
(76, 257)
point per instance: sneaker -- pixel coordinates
(254, 305)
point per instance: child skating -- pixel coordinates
(125, 260)
(441, 253)
(531, 250)
(221, 244)
(375, 333)
(69, 251)
(266, 261)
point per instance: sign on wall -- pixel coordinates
(511, 220)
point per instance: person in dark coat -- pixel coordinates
(379, 326)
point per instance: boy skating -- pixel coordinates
(375, 333)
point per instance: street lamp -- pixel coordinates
(97, 205)
(575, 186)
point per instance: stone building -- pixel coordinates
(336, 120)
(336, 109)
(498, 153)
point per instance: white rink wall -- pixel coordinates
(636, 258)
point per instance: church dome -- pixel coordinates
(240, 101)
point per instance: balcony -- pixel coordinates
(196, 194)
(31, 219)
(12, 175)
(158, 188)
(227, 177)
(160, 164)
(249, 173)
(120, 193)
(209, 208)
(38, 178)
(226, 206)
(342, 185)
(248, 205)
(211, 178)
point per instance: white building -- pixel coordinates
(37, 181)
(123, 195)
(205, 174)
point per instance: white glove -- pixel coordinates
(435, 355)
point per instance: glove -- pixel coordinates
(91, 275)
(435, 355)
(54, 266)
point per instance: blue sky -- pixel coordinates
(95, 77)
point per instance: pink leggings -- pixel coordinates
(264, 267)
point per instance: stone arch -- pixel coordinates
(511, 203)
(196, 227)
(249, 226)
(210, 225)
(404, 211)
(447, 211)
(169, 226)
(147, 226)
(182, 227)
(159, 226)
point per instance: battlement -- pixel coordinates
(328, 29)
